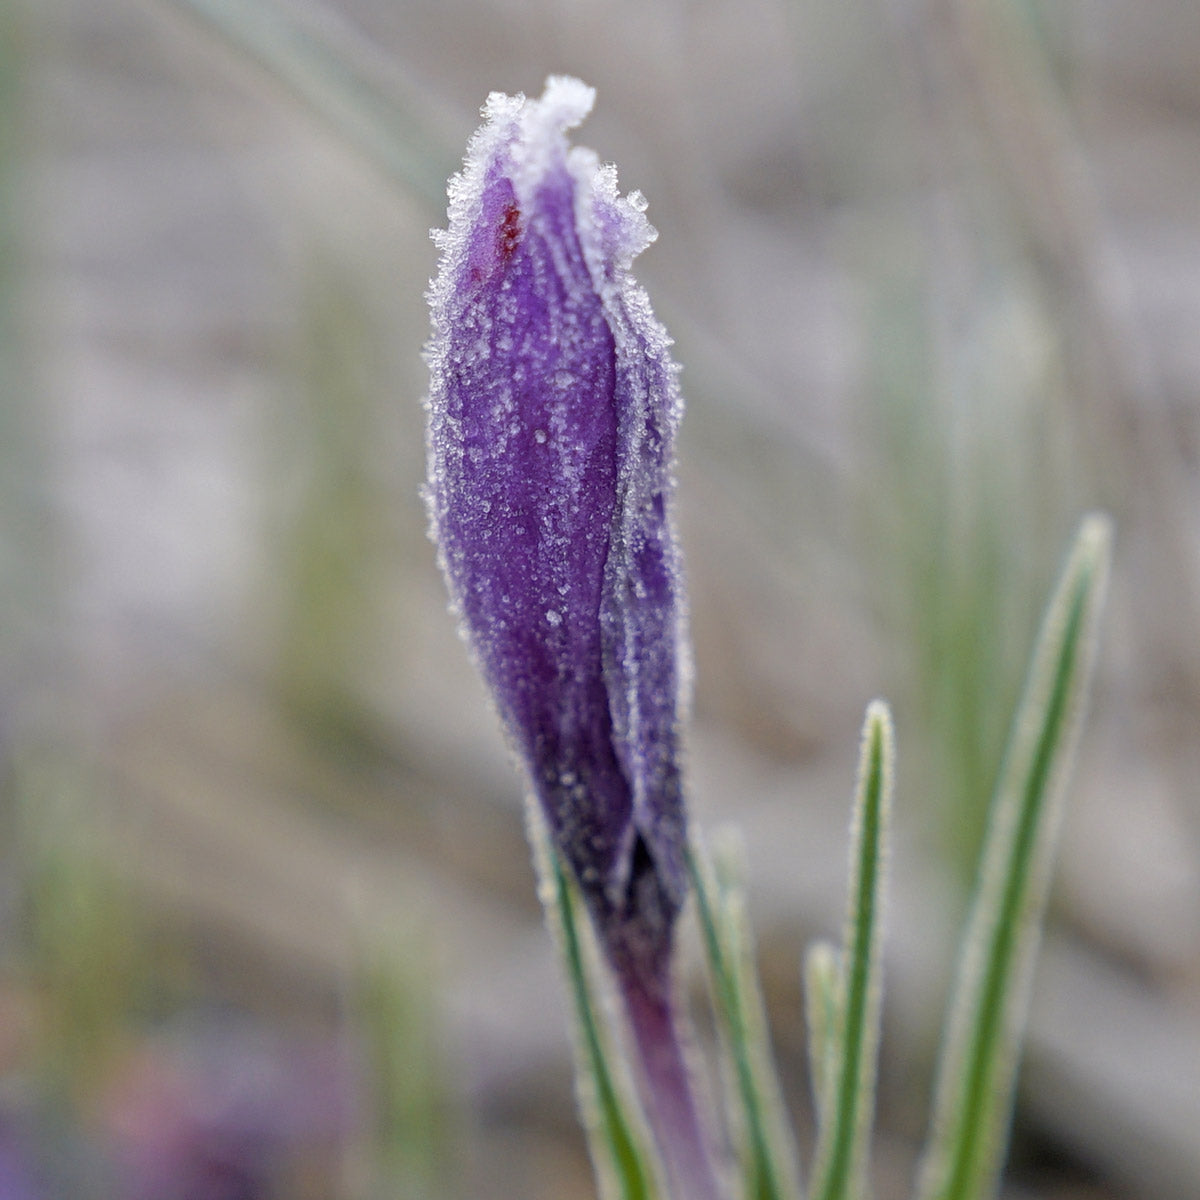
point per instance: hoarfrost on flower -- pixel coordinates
(552, 413)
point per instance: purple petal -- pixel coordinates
(552, 413)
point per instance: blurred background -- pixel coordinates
(267, 922)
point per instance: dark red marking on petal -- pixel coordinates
(510, 232)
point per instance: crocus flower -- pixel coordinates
(552, 414)
(553, 408)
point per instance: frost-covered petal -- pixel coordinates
(553, 408)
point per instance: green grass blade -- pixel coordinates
(410, 1123)
(766, 1148)
(977, 1075)
(843, 1141)
(624, 1166)
(335, 75)
(822, 1006)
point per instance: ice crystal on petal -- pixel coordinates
(552, 413)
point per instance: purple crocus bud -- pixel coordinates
(552, 412)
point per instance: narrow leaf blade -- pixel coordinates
(767, 1150)
(843, 1142)
(822, 1006)
(977, 1074)
(624, 1165)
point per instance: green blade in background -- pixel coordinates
(323, 63)
(977, 1074)
(411, 1134)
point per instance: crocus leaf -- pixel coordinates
(977, 1073)
(823, 1007)
(767, 1151)
(624, 1166)
(843, 1140)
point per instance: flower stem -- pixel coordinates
(678, 1127)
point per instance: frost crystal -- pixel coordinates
(552, 412)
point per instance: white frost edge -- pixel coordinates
(533, 134)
